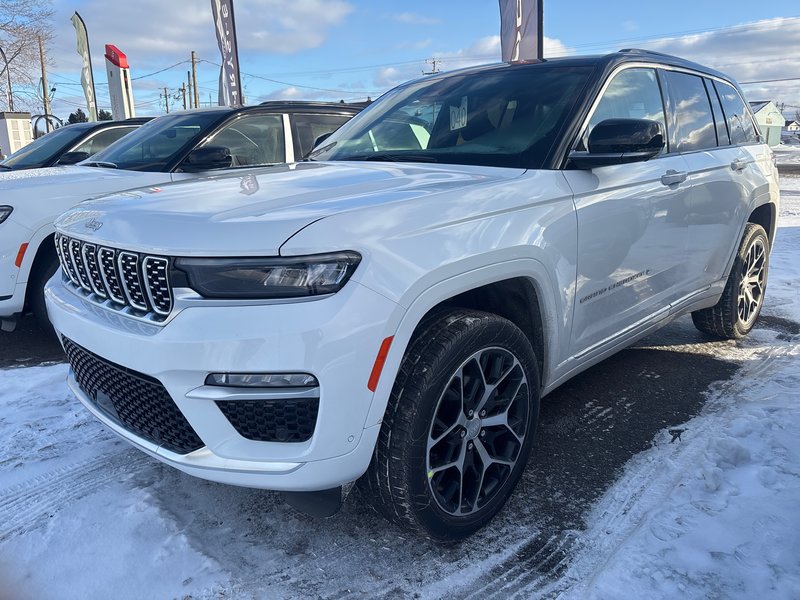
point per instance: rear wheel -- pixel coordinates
(459, 426)
(737, 310)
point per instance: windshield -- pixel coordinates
(155, 145)
(508, 117)
(42, 151)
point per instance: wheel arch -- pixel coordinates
(487, 288)
(45, 250)
(766, 216)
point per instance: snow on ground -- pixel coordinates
(715, 514)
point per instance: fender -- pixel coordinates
(404, 321)
(33, 247)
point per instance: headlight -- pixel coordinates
(4, 212)
(260, 278)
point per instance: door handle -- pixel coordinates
(672, 177)
(739, 165)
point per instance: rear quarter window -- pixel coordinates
(694, 121)
(740, 123)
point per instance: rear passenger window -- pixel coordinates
(740, 124)
(694, 121)
(632, 94)
(723, 139)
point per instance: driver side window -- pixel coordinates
(253, 140)
(632, 94)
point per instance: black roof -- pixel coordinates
(605, 62)
(294, 106)
(90, 125)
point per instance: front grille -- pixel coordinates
(291, 420)
(119, 278)
(135, 401)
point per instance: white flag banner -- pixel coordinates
(87, 79)
(521, 36)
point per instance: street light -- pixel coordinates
(9, 97)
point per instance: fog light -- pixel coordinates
(265, 380)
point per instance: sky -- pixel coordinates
(354, 49)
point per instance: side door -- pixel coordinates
(632, 232)
(720, 171)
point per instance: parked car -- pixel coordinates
(393, 310)
(172, 147)
(70, 144)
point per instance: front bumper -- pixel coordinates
(336, 339)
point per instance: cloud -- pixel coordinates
(154, 33)
(415, 19)
(482, 51)
(758, 51)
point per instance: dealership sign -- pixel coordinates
(521, 36)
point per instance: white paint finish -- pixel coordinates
(632, 245)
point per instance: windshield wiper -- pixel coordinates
(390, 157)
(5, 167)
(99, 163)
(318, 151)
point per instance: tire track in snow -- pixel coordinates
(25, 505)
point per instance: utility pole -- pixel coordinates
(194, 80)
(189, 85)
(166, 100)
(9, 96)
(433, 62)
(183, 89)
(45, 89)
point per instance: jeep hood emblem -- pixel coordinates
(94, 225)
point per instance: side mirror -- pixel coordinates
(207, 158)
(70, 158)
(321, 139)
(620, 141)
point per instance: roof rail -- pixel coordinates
(643, 51)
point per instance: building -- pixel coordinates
(15, 131)
(792, 126)
(770, 121)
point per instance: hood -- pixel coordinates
(59, 176)
(254, 212)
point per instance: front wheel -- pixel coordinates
(743, 297)
(459, 426)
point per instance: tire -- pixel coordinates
(737, 310)
(42, 272)
(430, 424)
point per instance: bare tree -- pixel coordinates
(22, 23)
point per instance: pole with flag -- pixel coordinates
(87, 78)
(230, 82)
(521, 32)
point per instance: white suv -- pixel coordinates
(393, 310)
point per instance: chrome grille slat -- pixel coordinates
(108, 272)
(128, 264)
(159, 291)
(134, 283)
(66, 262)
(89, 254)
(80, 268)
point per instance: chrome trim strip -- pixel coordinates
(214, 392)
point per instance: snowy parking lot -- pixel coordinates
(670, 470)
